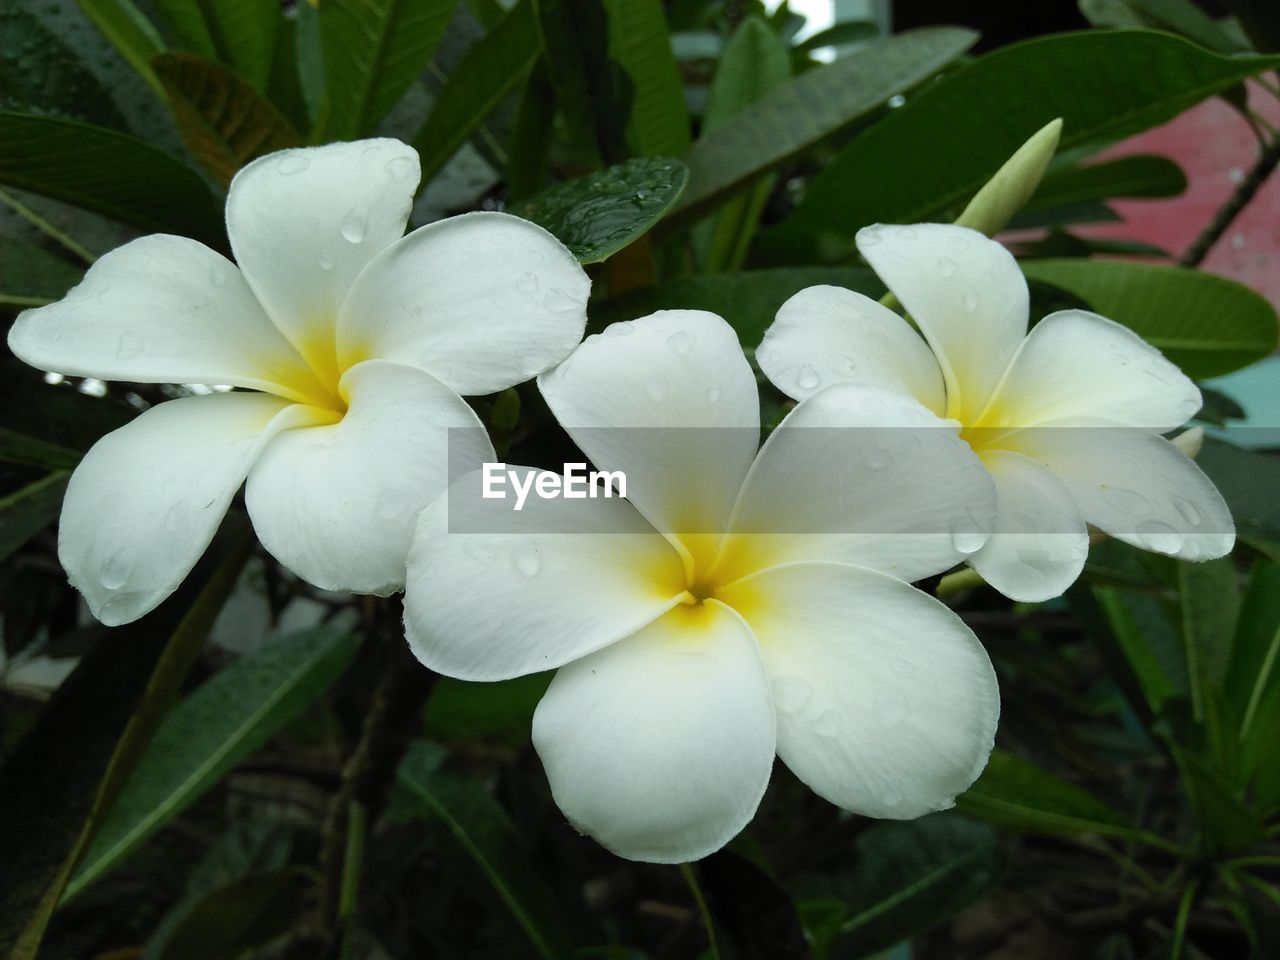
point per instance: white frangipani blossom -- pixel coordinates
(356, 342)
(736, 606)
(1066, 418)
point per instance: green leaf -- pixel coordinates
(1184, 17)
(29, 510)
(1139, 175)
(837, 35)
(1013, 792)
(748, 300)
(460, 711)
(224, 122)
(224, 924)
(813, 106)
(221, 723)
(107, 172)
(1252, 684)
(754, 62)
(1227, 823)
(39, 72)
(489, 71)
(373, 51)
(66, 773)
(48, 426)
(1210, 603)
(481, 827)
(1248, 481)
(1205, 324)
(238, 33)
(947, 140)
(597, 215)
(31, 275)
(658, 125)
(131, 33)
(906, 877)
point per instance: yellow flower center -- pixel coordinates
(316, 380)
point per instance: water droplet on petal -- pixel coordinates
(829, 724)
(401, 168)
(115, 572)
(292, 163)
(1126, 500)
(325, 261)
(713, 395)
(557, 301)
(527, 559)
(946, 266)
(791, 694)
(128, 345)
(622, 329)
(1187, 510)
(527, 284)
(681, 342)
(807, 378)
(970, 300)
(966, 535)
(1159, 536)
(878, 457)
(353, 227)
(388, 507)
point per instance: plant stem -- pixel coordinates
(1223, 219)
(1184, 914)
(690, 878)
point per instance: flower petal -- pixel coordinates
(163, 309)
(661, 745)
(886, 702)
(1136, 486)
(670, 400)
(493, 593)
(966, 294)
(146, 499)
(825, 335)
(303, 223)
(480, 301)
(337, 504)
(1040, 542)
(1078, 364)
(866, 476)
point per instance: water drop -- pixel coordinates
(219, 277)
(527, 559)
(879, 456)
(1126, 500)
(946, 266)
(807, 378)
(1159, 536)
(353, 227)
(388, 507)
(115, 571)
(873, 406)
(829, 724)
(869, 238)
(527, 284)
(292, 163)
(557, 301)
(681, 342)
(1187, 510)
(791, 694)
(713, 394)
(966, 535)
(128, 345)
(402, 168)
(970, 300)
(326, 261)
(623, 329)
(958, 243)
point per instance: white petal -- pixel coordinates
(494, 593)
(886, 702)
(1136, 486)
(670, 400)
(825, 335)
(660, 746)
(303, 223)
(1078, 364)
(1040, 542)
(481, 301)
(966, 294)
(146, 499)
(337, 504)
(865, 476)
(163, 309)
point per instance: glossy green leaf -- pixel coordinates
(839, 34)
(490, 70)
(221, 723)
(373, 50)
(40, 73)
(482, 829)
(1184, 17)
(1248, 481)
(68, 771)
(597, 215)
(27, 511)
(658, 123)
(1206, 324)
(754, 62)
(129, 31)
(748, 300)
(238, 33)
(225, 123)
(1013, 792)
(31, 275)
(107, 172)
(947, 140)
(1140, 175)
(906, 877)
(813, 106)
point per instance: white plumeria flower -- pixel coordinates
(357, 342)
(689, 656)
(1067, 418)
